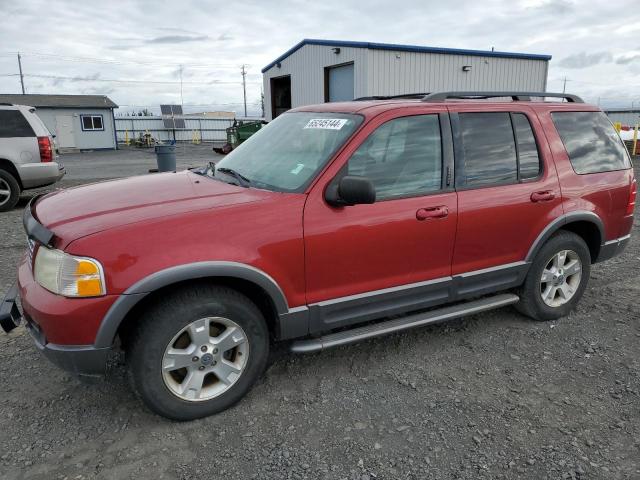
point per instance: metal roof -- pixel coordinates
(59, 101)
(406, 48)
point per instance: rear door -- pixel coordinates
(364, 261)
(508, 192)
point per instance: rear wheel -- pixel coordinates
(197, 352)
(557, 278)
(9, 191)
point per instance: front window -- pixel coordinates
(288, 153)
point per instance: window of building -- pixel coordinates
(13, 124)
(91, 122)
(403, 157)
(591, 141)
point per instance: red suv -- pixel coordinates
(321, 227)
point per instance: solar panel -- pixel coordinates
(172, 117)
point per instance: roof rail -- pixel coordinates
(515, 96)
(6, 104)
(416, 96)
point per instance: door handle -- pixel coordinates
(543, 196)
(432, 212)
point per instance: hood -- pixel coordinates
(76, 212)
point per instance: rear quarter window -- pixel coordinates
(591, 142)
(13, 124)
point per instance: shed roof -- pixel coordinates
(405, 48)
(59, 101)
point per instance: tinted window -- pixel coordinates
(402, 157)
(591, 141)
(489, 149)
(528, 160)
(13, 124)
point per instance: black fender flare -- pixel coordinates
(558, 223)
(191, 271)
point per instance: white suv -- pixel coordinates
(27, 154)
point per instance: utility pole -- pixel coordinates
(564, 85)
(181, 100)
(262, 100)
(21, 75)
(244, 88)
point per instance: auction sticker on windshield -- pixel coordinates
(327, 123)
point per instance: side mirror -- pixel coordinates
(351, 190)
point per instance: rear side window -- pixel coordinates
(402, 157)
(13, 124)
(591, 142)
(499, 148)
(489, 149)
(528, 158)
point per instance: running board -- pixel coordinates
(404, 323)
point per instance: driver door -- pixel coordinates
(392, 256)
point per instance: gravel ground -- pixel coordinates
(491, 396)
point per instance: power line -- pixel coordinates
(110, 80)
(108, 61)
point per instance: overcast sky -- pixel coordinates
(131, 51)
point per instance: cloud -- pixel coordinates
(224, 37)
(627, 60)
(177, 39)
(584, 60)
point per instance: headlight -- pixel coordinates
(67, 275)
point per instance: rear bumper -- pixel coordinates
(612, 248)
(34, 175)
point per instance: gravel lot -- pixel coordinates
(491, 396)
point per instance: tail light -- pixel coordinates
(46, 152)
(632, 197)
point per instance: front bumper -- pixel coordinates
(81, 360)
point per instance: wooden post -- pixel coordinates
(634, 149)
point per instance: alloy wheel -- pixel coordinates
(205, 359)
(5, 192)
(560, 278)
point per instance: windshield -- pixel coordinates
(287, 154)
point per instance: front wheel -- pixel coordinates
(197, 352)
(557, 278)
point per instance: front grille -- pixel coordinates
(31, 248)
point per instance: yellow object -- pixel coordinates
(617, 126)
(195, 137)
(88, 281)
(126, 137)
(147, 137)
(634, 150)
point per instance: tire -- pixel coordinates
(156, 348)
(556, 305)
(9, 191)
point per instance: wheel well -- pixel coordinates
(11, 168)
(252, 291)
(590, 233)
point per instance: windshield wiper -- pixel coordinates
(242, 180)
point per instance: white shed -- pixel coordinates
(79, 122)
(318, 71)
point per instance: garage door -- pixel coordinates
(340, 83)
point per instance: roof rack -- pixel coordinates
(416, 96)
(515, 96)
(6, 104)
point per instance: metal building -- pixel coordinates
(318, 71)
(79, 122)
(626, 116)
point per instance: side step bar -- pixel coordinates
(404, 323)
